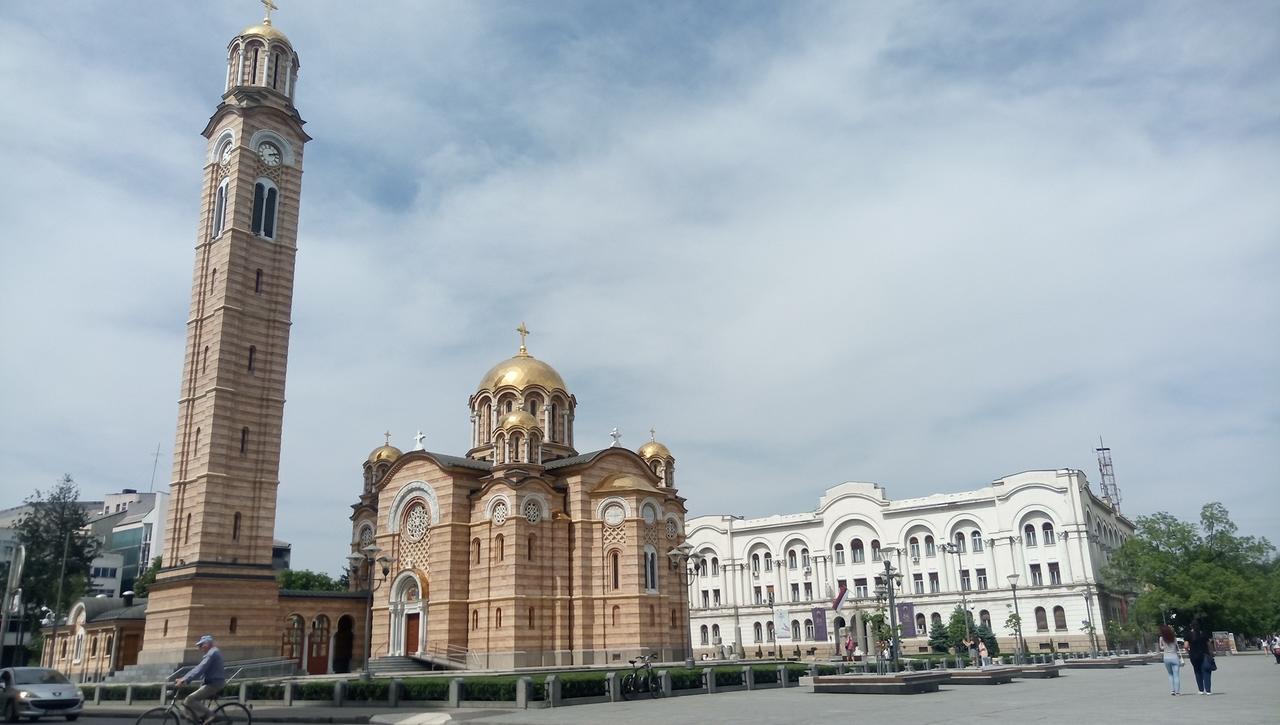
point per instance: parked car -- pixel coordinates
(35, 692)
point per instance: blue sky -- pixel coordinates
(921, 244)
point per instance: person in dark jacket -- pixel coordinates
(1200, 652)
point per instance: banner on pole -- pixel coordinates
(819, 624)
(907, 618)
(782, 627)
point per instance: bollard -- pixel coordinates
(709, 680)
(614, 685)
(393, 693)
(553, 690)
(522, 693)
(243, 697)
(455, 692)
(339, 692)
(97, 695)
(128, 694)
(288, 694)
(782, 676)
(749, 678)
(664, 677)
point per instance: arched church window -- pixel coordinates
(839, 553)
(675, 620)
(244, 440)
(275, 70)
(497, 618)
(220, 208)
(265, 196)
(532, 619)
(366, 536)
(186, 531)
(204, 360)
(475, 551)
(531, 541)
(213, 280)
(499, 548)
(614, 570)
(235, 527)
(253, 353)
(617, 615)
(257, 282)
(532, 511)
(475, 619)
(650, 568)
(253, 66)
(416, 521)
(499, 515)
(232, 626)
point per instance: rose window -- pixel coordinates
(671, 529)
(415, 522)
(532, 512)
(499, 513)
(366, 536)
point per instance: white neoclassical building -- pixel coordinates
(946, 550)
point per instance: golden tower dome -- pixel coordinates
(518, 419)
(385, 452)
(265, 30)
(522, 371)
(653, 449)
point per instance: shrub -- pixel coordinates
(152, 692)
(795, 672)
(583, 684)
(765, 674)
(258, 690)
(368, 690)
(686, 679)
(425, 688)
(489, 689)
(827, 669)
(113, 694)
(728, 676)
(314, 690)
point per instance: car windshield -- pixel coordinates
(37, 676)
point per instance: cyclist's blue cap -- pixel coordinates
(206, 639)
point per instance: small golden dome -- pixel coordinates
(388, 453)
(518, 419)
(265, 30)
(654, 449)
(522, 371)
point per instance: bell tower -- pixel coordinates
(216, 577)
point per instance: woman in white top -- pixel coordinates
(1168, 645)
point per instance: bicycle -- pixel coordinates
(176, 712)
(641, 678)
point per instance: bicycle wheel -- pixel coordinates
(654, 684)
(157, 716)
(233, 713)
(628, 686)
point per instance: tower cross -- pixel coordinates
(269, 7)
(653, 433)
(387, 436)
(524, 332)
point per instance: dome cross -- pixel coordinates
(269, 6)
(524, 332)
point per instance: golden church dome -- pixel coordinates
(265, 30)
(522, 371)
(388, 453)
(654, 449)
(518, 419)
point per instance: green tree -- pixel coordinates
(54, 526)
(959, 626)
(1180, 571)
(940, 640)
(308, 581)
(984, 633)
(147, 578)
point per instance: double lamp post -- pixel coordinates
(368, 556)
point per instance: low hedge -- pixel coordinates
(368, 690)
(765, 674)
(500, 689)
(256, 690)
(313, 690)
(729, 677)
(583, 684)
(795, 672)
(425, 688)
(686, 679)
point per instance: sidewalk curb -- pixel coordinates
(300, 718)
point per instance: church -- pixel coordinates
(521, 551)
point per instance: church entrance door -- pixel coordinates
(129, 650)
(343, 640)
(411, 633)
(318, 646)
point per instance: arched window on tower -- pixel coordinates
(244, 440)
(265, 196)
(257, 282)
(235, 527)
(615, 566)
(253, 352)
(976, 537)
(1048, 534)
(857, 552)
(220, 208)
(186, 530)
(499, 548)
(1029, 535)
(275, 70)
(253, 64)
(475, 552)
(532, 540)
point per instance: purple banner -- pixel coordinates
(907, 619)
(819, 624)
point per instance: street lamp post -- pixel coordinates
(369, 557)
(684, 557)
(889, 580)
(1093, 634)
(1018, 644)
(951, 548)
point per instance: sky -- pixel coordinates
(926, 245)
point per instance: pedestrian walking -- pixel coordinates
(982, 653)
(1200, 652)
(1275, 647)
(1172, 658)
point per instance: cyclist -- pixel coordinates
(213, 676)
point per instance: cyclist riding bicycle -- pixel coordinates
(211, 672)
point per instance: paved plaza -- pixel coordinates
(1247, 690)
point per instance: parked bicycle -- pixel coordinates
(174, 712)
(642, 678)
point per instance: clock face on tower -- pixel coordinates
(269, 153)
(226, 153)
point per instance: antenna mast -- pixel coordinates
(1110, 491)
(155, 463)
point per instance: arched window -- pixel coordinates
(265, 196)
(769, 631)
(960, 547)
(614, 570)
(532, 617)
(791, 559)
(914, 547)
(795, 630)
(244, 440)
(257, 282)
(804, 558)
(186, 531)
(93, 646)
(704, 635)
(755, 563)
(233, 625)
(675, 620)
(1049, 538)
(204, 360)
(875, 550)
(702, 568)
(715, 566)
(275, 70)
(839, 553)
(531, 547)
(758, 632)
(475, 551)
(976, 537)
(220, 208)
(984, 617)
(253, 353)
(1029, 535)
(921, 630)
(935, 621)
(475, 619)
(808, 629)
(856, 551)
(1060, 619)
(497, 618)
(499, 548)
(195, 444)
(235, 527)
(715, 634)
(213, 280)
(650, 568)
(768, 561)
(1042, 621)
(930, 549)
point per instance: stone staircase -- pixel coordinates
(408, 666)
